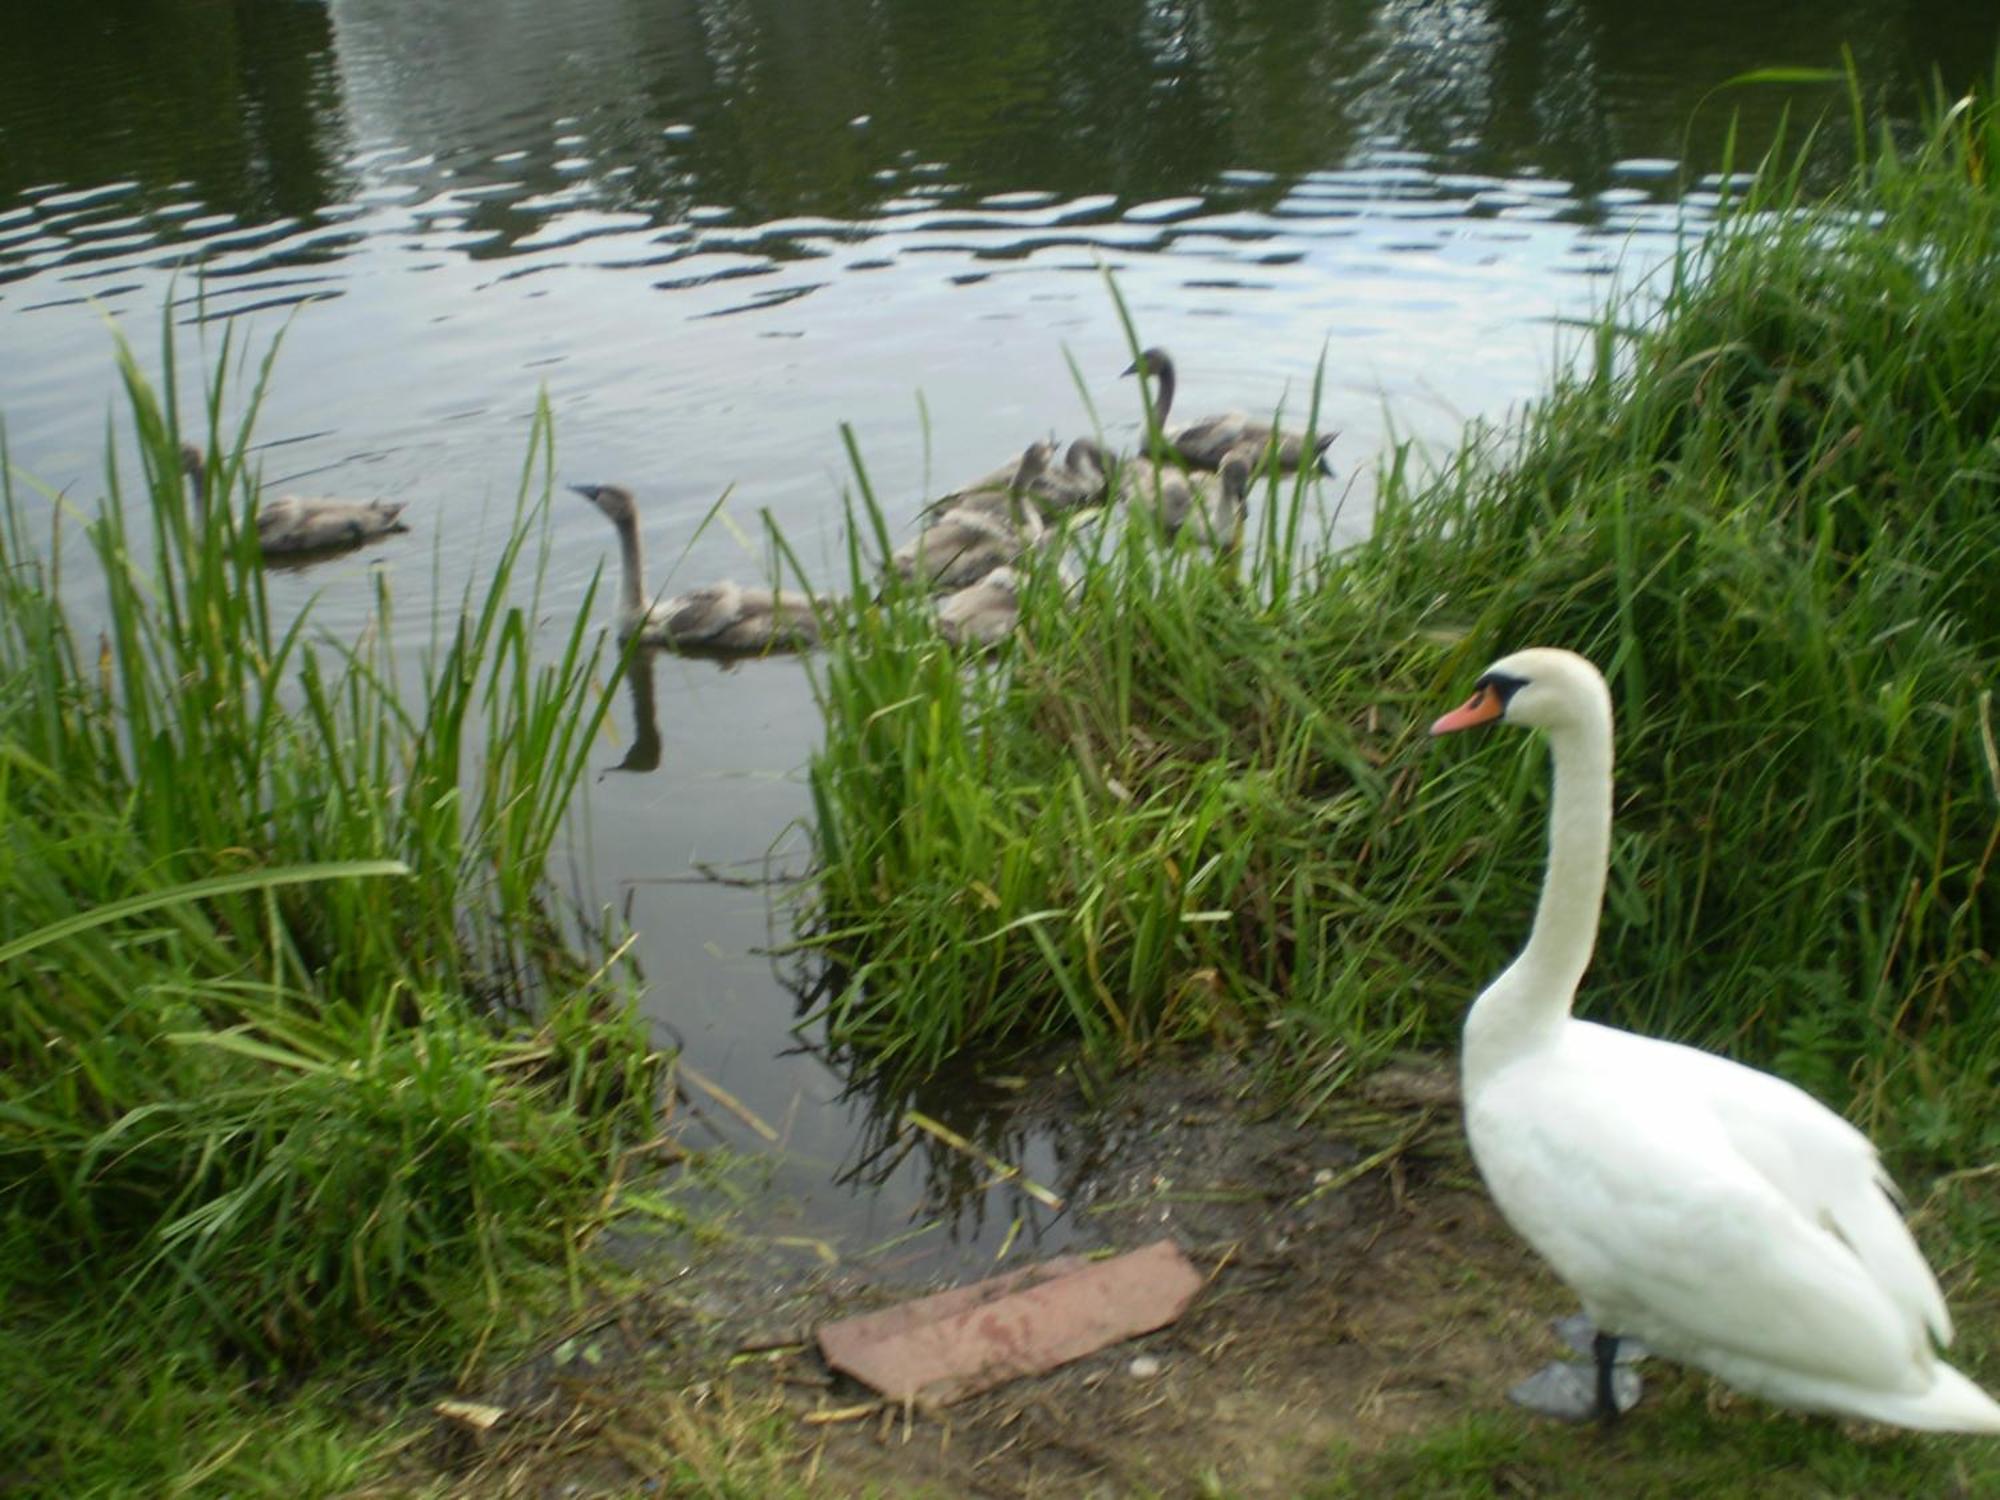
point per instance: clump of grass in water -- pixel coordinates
(1000, 851)
(261, 1105)
(1770, 513)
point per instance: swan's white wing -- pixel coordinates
(1636, 1196)
(1824, 1167)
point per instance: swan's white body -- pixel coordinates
(724, 618)
(288, 525)
(1717, 1213)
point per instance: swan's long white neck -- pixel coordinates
(632, 566)
(1528, 1004)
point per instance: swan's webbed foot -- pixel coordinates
(1572, 1390)
(1601, 1388)
(1580, 1334)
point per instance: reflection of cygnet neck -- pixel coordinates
(644, 754)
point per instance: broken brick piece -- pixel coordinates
(972, 1338)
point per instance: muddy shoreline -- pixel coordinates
(1359, 1288)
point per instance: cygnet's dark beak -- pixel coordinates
(588, 491)
(1132, 369)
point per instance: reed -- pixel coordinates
(295, 1060)
(1765, 501)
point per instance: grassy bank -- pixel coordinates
(1205, 805)
(1197, 804)
(299, 1082)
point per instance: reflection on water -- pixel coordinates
(644, 754)
(710, 231)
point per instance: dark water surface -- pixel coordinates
(711, 232)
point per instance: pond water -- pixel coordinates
(712, 231)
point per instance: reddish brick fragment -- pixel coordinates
(972, 1338)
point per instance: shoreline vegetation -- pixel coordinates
(298, 1076)
(1198, 807)
(307, 1103)
(1198, 804)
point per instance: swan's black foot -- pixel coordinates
(1604, 1350)
(1568, 1390)
(1580, 1334)
(1603, 1387)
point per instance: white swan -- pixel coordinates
(291, 524)
(723, 618)
(1719, 1214)
(980, 531)
(1203, 444)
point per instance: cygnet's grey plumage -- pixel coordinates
(725, 617)
(1204, 443)
(979, 532)
(291, 524)
(983, 613)
(1079, 481)
(1073, 482)
(1214, 506)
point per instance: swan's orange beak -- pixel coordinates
(1483, 707)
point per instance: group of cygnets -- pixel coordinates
(967, 554)
(972, 542)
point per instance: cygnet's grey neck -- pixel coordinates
(197, 474)
(1163, 373)
(633, 563)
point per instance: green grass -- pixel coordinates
(296, 1113)
(995, 856)
(1192, 806)
(1675, 1446)
(1198, 804)
(299, 1077)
